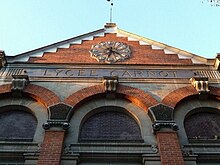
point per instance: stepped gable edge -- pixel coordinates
(77, 50)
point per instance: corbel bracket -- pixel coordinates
(110, 84)
(201, 84)
(217, 62)
(2, 59)
(56, 123)
(19, 82)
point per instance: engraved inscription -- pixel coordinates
(101, 72)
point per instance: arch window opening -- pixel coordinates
(17, 124)
(110, 124)
(205, 124)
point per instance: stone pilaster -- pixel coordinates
(55, 128)
(165, 128)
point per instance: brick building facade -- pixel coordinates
(109, 97)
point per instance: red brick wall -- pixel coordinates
(141, 54)
(51, 149)
(173, 98)
(176, 96)
(169, 148)
(41, 94)
(215, 92)
(5, 88)
(136, 96)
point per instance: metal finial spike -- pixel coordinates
(111, 9)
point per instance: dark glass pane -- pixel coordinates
(110, 125)
(202, 125)
(17, 125)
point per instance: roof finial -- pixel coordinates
(111, 3)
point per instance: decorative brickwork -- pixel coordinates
(84, 94)
(51, 149)
(137, 96)
(176, 96)
(4, 89)
(41, 94)
(169, 148)
(215, 92)
(173, 98)
(141, 54)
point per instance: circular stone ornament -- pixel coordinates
(110, 52)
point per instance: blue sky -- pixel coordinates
(191, 25)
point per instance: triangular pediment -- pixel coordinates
(77, 50)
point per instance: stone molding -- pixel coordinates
(162, 124)
(110, 84)
(19, 83)
(56, 123)
(135, 95)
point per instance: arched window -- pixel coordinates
(16, 123)
(110, 124)
(203, 124)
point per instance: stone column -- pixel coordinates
(165, 130)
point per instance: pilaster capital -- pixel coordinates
(65, 125)
(162, 117)
(59, 115)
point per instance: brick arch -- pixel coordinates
(173, 98)
(41, 94)
(136, 96)
(214, 91)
